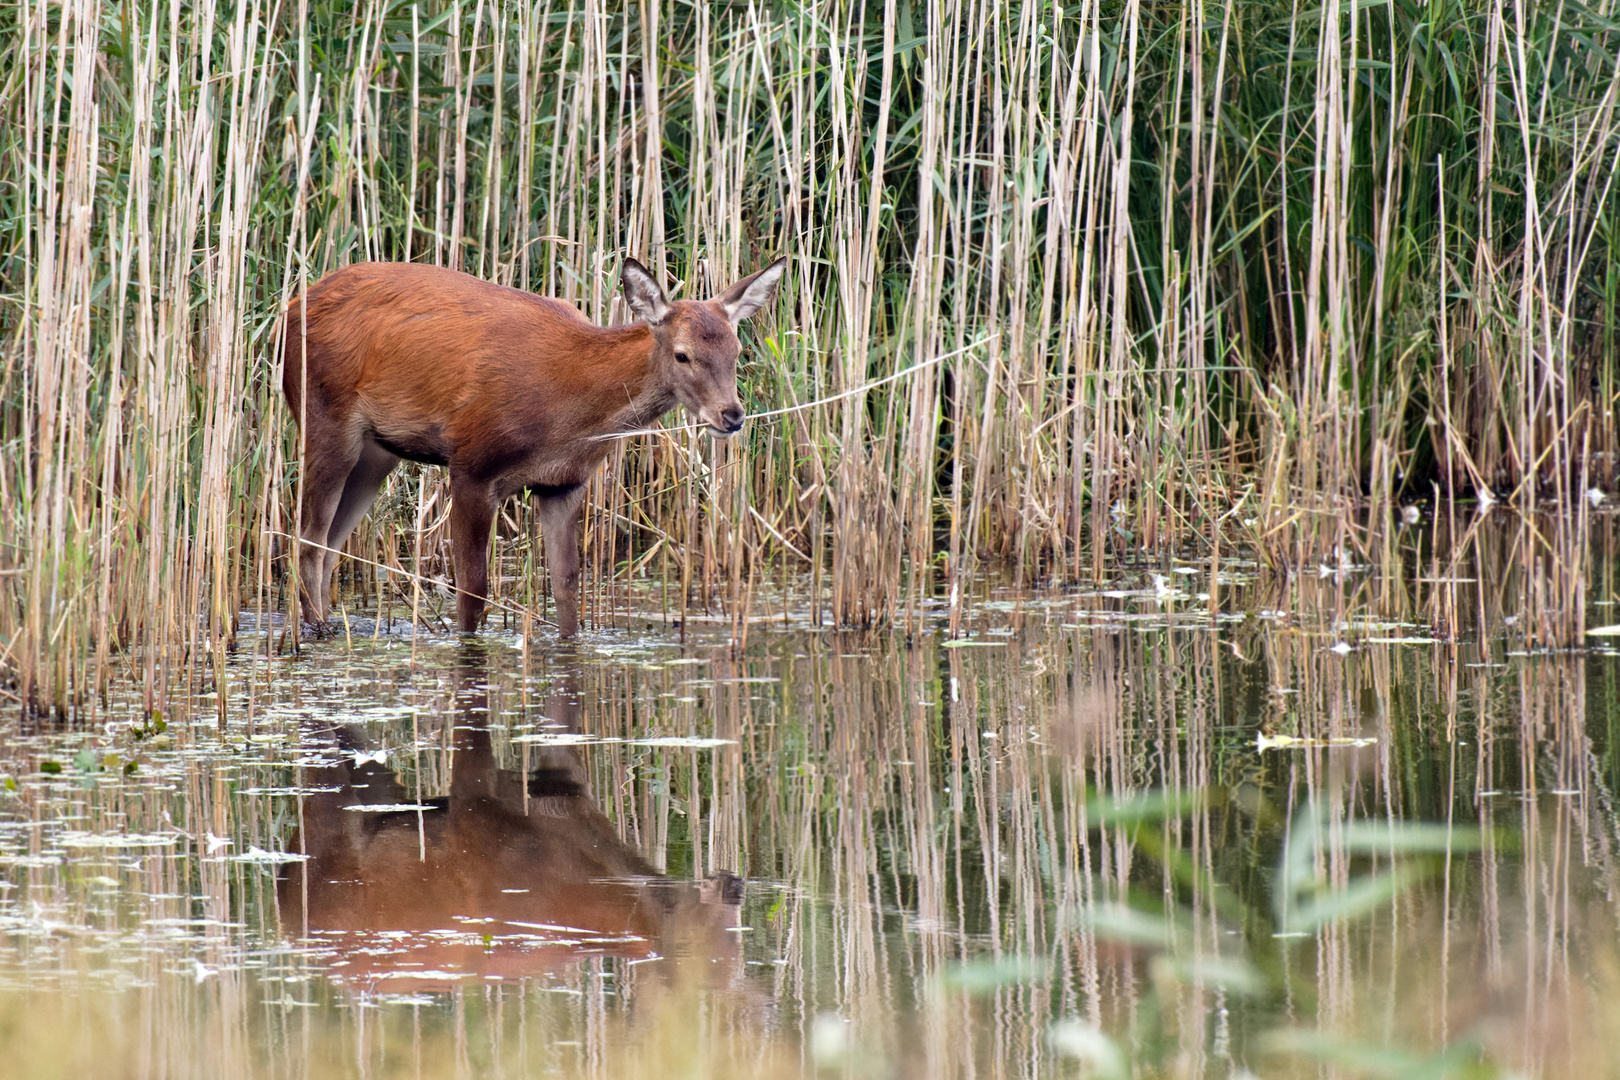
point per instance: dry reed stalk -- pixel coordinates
(1207, 257)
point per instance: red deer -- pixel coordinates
(510, 874)
(511, 390)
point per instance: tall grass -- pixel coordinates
(1200, 274)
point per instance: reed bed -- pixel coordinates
(1162, 277)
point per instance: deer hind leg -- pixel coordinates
(359, 492)
(329, 458)
(472, 512)
(559, 521)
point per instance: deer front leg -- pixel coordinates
(559, 520)
(471, 514)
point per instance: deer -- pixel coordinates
(512, 391)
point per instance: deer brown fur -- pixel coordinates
(510, 390)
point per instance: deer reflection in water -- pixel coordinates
(509, 875)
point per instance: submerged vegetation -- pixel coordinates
(1154, 277)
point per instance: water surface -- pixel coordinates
(1108, 830)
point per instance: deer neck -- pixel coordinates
(628, 395)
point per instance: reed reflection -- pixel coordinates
(512, 873)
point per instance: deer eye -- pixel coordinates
(682, 358)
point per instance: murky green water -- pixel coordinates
(1108, 832)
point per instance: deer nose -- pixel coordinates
(731, 418)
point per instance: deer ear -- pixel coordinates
(753, 292)
(642, 293)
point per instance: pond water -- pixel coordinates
(1109, 832)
